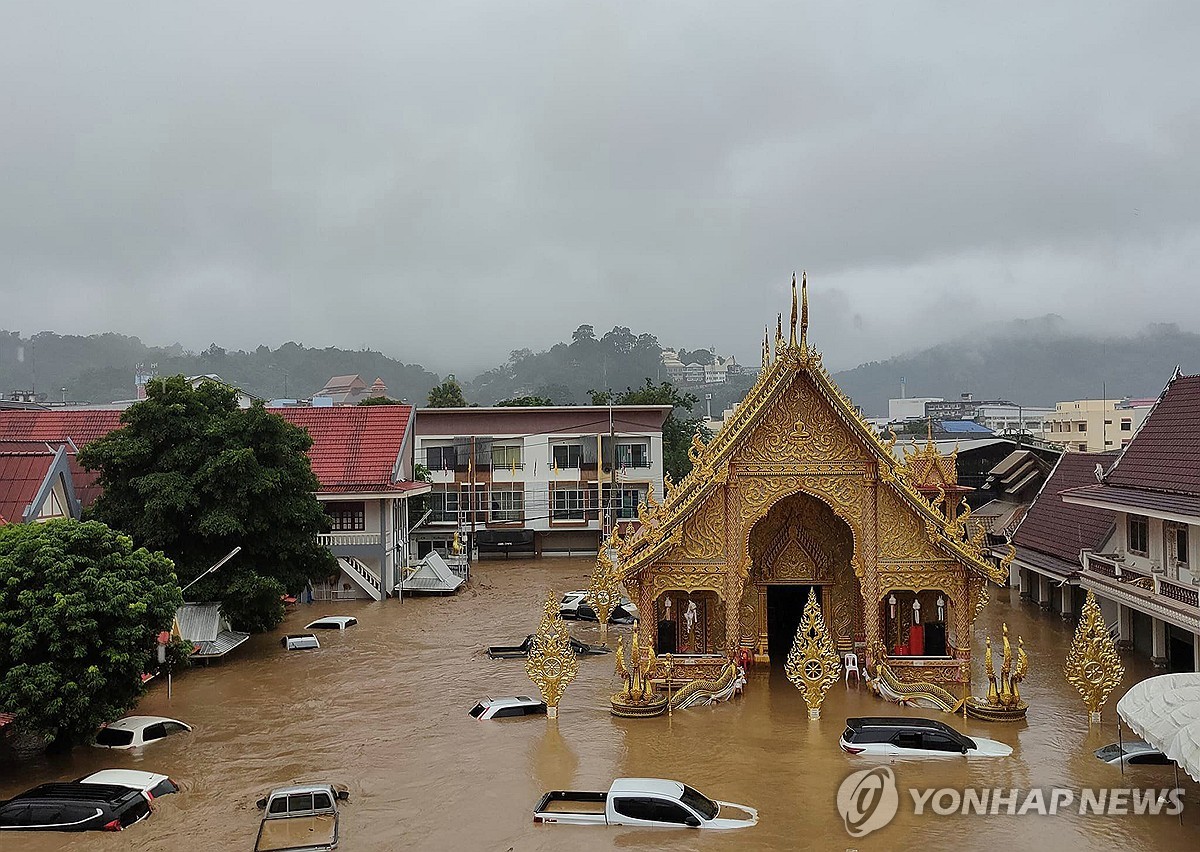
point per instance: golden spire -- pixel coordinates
(804, 307)
(793, 341)
(778, 334)
(766, 347)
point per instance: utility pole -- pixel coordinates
(612, 471)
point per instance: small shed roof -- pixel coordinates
(432, 575)
(203, 625)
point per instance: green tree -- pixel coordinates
(380, 400)
(191, 474)
(526, 400)
(449, 394)
(678, 428)
(80, 610)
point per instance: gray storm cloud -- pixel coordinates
(449, 181)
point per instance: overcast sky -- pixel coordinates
(448, 181)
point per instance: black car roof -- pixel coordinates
(860, 722)
(77, 792)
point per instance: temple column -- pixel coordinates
(648, 622)
(1158, 643)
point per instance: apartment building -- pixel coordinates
(1147, 574)
(1095, 425)
(535, 479)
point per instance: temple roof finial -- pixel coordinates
(793, 339)
(778, 335)
(804, 307)
(766, 347)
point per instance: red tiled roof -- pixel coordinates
(1164, 455)
(1061, 530)
(355, 446)
(80, 426)
(6, 719)
(21, 475)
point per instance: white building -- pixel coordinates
(1147, 574)
(1095, 425)
(1007, 417)
(909, 408)
(536, 479)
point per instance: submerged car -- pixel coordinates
(73, 806)
(899, 736)
(513, 652)
(643, 802)
(299, 642)
(332, 622)
(150, 783)
(1132, 753)
(504, 708)
(136, 731)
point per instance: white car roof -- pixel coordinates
(133, 723)
(656, 786)
(343, 620)
(124, 778)
(509, 701)
(303, 788)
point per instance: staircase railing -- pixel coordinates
(370, 581)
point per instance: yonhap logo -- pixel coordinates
(868, 800)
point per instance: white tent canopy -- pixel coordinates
(1165, 712)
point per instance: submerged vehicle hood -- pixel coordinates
(989, 748)
(727, 816)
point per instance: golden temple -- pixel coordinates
(798, 494)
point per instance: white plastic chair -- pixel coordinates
(850, 664)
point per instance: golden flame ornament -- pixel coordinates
(604, 591)
(551, 663)
(637, 698)
(1003, 702)
(1093, 665)
(813, 664)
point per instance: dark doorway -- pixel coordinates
(785, 606)
(1180, 656)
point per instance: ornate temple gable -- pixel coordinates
(796, 542)
(796, 430)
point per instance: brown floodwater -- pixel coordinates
(383, 707)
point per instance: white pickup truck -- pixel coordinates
(303, 818)
(642, 802)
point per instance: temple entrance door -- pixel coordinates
(785, 606)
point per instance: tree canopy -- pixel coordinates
(530, 401)
(80, 610)
(449, 394)
(191, 474)
(678, 427)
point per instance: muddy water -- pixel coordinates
(383, 709)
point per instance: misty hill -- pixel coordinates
(100, 367)
(1031, 362)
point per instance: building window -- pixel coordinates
(1082, 448)
(347, 517)
(568, 505)
(1108, 443)
(626, 501)
(444, 504)
(441, 458)
(1107, 422)
(633, 455)
(1177, 544)
(1126, 425)
(1139, 535)
(1082, 427)
(507, 505)
(566, 456)
(506, 456)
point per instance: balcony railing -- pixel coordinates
(1187, 595)
(349, 539)
(1152, 588)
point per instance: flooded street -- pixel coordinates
(383, 707)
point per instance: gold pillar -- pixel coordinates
(761, 642)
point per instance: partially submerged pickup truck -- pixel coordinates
(642, 802)
(302, 818)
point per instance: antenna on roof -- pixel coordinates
(1099, 472)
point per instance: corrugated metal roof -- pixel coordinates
(225, 642)
(198, 622)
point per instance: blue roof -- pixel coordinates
(964, 427)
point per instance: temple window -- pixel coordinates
(915, 623)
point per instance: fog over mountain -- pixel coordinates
(448, 181)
